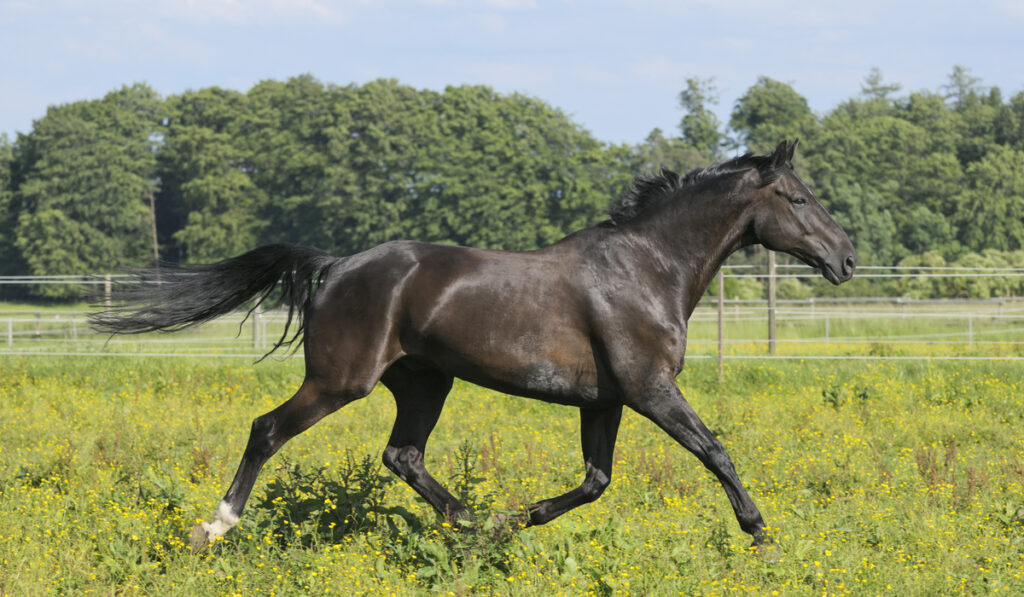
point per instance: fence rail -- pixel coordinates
(851, 328)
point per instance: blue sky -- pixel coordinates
(614, 66)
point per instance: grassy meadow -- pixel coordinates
(889, 477)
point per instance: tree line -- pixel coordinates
(929, 177)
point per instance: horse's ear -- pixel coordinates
(780, 156)
(792, 150)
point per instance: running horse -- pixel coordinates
(596, 320)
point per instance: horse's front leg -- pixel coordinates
(661, 401)
(598, 428)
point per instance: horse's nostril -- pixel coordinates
(848, 265)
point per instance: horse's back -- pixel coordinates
(516, 321)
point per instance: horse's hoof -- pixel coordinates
(511, 522)
(200, 540)
(766, 549)
(461, 521)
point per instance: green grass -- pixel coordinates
(876, 478)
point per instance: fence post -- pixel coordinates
(771, 302)
(74, 332)
(39, 324)
(106, 290)
(721, 327)
(256, 316)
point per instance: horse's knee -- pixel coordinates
(402, 461)
(594, 484)
(261, 440)
(390, 458)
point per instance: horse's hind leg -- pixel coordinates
(598, 429)
(419, 397)
(269, 432)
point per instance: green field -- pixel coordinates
(876, 477)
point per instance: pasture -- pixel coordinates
(876, 477)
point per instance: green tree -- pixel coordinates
(900, 184)
(963, 88)
(290, 147)
(769, 112)
(9, 257)
(930, 112)
(209, 205)
(468, 166)
(864, 213)
(658, 151)
(519, 174)
(991, 208)
(1014, 135)
(385, 158)
(874, 88)
(84, 199)
(700, 127)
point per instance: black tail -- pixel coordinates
(173, 299)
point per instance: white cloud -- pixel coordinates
(660, 68)
(1010, 8)
(511, 4)
(507, 75)
(589, 74)
(496, 4)
(253, 11)
(490, 22)
(778, 12)
(236, 12)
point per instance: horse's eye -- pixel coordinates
(798, 200)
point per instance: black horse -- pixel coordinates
(597, 321)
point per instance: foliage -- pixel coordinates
(344, 168)
(208, 201)
(875, 478)
(86, 171)
(700, 127)
(10, 259)
(873, 86)
(971, 287)
(769, 112)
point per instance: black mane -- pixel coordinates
(651, 189)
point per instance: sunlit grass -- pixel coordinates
(876, 477)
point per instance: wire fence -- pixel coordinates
(847, 328)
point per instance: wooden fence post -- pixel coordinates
(257, 315)
(771, 302)
(721, 326)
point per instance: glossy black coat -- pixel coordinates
(597, 320)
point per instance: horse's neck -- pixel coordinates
(697, 234)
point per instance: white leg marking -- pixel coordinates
(223, 520)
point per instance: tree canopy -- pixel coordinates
(927, 176)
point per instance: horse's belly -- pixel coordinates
(542, 380)
(556, 372)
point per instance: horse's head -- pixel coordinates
(789, 218)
